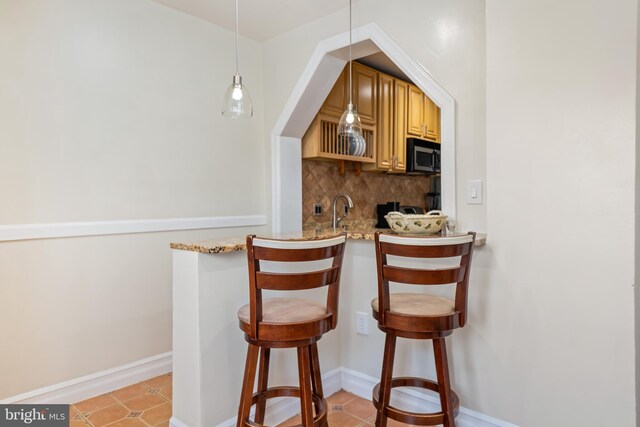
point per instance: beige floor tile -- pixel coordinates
(166, 391)
(128, 422)
(95, 403)
(144, 402)
(342, 419)
(340, 398)
(361, 408)
(159, 382)
(371, 421)
(293, 421)
(130, 392)
(162, 424)
(157, 415)
(108, 415)
(73, 413)
(78, 423)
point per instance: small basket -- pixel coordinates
(429, 223)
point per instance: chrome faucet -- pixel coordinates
(349, 205)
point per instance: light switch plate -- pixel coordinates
(474, 192)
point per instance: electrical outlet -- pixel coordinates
(317, 209)
(362, 323)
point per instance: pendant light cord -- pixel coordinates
(237, 68)
(350, 60)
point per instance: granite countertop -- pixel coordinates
(234, 244)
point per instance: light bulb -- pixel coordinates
(237, 100)
(350, 118)
(237, 93)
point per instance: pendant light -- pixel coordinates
(350, 126)
(237, 101)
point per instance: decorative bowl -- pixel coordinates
(429, 223)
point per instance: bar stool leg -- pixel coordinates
(304, 373)
(385, 382)
(247, 384)
(263, 380)
(444, 383)
(316, 376)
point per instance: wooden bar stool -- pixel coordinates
(420, 316)
(288, 322)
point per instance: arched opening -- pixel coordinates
(312, 88)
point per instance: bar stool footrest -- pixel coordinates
(415, 418)
(320, 404)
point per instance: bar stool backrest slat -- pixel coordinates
(424, 248)
(293, 251)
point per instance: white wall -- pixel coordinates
(110, 110)
(560, 172)
(552, 320)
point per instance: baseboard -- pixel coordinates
(174, 422)
(101, 382)
(280, 410)
(412, 400)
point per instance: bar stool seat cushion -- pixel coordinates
(418, 305)
(286, 310)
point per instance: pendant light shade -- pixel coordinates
(350, 126)
(237, 101)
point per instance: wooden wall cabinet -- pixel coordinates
(401, 95)
(385, 155)
(415, 112)
(423, 116)
(431, 120)
(391, 110)
(390, 128)
(365, 94)
(337, 100)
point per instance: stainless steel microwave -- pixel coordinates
(423, 157)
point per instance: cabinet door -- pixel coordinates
(365, 85)
(415, 112)
(432, 120)
(401, 90)
(337, 100)
(384, 127)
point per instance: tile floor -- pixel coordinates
(148, 404)
(347, 410)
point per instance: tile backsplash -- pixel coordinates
(321, 183)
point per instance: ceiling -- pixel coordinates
(260, 19)
(381, 62)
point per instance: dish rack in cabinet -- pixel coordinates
(322, 142)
